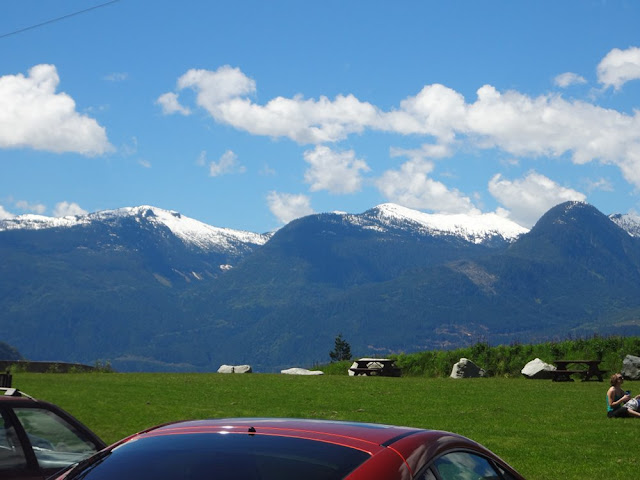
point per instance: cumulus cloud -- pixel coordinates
(66, 209)
(33, 115)
(4, 214)
(550, 126)
(601, 184)
(336, 172)
(412, 187)
(227, 164)
(225, 95)
(170, 104)
(619, 67)
(287, 207)
(436, 111)
(567, 79)
(37, 208)
(515, 123)
(527, 199)
(425, 152)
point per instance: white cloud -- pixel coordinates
(32, 115)
(601, 184)
(287, 207)
(227, 164)
(513, 122)
(412, 187)
(619, 66)
(65, 209)
(425, 152)
(567, 79)
(5, 215)
(336, 172)
(224, 95)
(215, 88)
(553, 127)
(436, 111)
(116, 77)
(129, 148)
(36, 208)
(527, 199)
(144, 163)
(267, 171)
(170, 104)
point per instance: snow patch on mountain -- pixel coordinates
(628, 222)
(473, 228)
(190, 231)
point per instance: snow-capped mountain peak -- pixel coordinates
(190, 231)
(473, 228)
(628, 222)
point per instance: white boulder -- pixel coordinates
(235, 369)
(301, 371)
(538, 369)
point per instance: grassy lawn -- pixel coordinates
(546, 430)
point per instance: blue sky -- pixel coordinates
(248, 114)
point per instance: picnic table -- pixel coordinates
(591, 372)
(383, 367)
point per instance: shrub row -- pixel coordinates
(508, 360)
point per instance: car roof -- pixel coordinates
(14, 395)
(327, 430)
(409, 446)
(369, 437)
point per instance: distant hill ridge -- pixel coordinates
(149, 289)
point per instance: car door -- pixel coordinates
(48, 442)
(16, 461)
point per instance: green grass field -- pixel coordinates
(546, 430)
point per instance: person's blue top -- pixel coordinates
(615, 399)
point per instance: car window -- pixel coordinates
(465, 466)
(11, 452)
(506, 475)
(55, 442)
(222, 456)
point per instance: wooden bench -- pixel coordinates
(565, 375)
(591, 372)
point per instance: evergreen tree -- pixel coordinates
(341, 350)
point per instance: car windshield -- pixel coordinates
(223, 456)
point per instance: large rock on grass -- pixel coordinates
(631, 367)
(235, 369)
(465, 368)
(537, 369)
(301, 371)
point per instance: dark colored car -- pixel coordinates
(280, 449)
(39, 439)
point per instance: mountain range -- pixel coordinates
(152, 290)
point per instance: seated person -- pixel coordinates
(616, 398)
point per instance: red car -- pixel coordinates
(38, 439)
(280, 449)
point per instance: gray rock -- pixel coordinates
(631, 367)
(465, 368)
(537, 369)
(301, 371)
(235, 369)
(242, 369)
